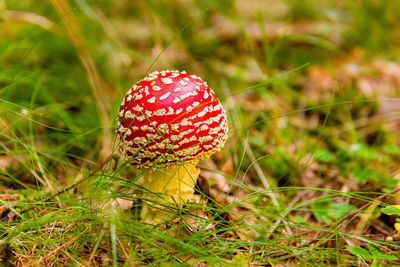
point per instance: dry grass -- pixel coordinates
(309, 175)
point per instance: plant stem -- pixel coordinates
(170, 185)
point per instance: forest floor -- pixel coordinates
(309, 175)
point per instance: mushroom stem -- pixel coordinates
(166, 186)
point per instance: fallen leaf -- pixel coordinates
(7, 161)
(241, 260)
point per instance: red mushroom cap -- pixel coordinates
(168, 117)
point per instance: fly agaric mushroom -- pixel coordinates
(166, 123)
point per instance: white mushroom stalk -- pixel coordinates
(167, 123)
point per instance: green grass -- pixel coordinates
(311, 90)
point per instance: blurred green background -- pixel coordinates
(311, 90)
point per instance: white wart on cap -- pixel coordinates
(168, 117)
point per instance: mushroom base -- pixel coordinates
(165, 187)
